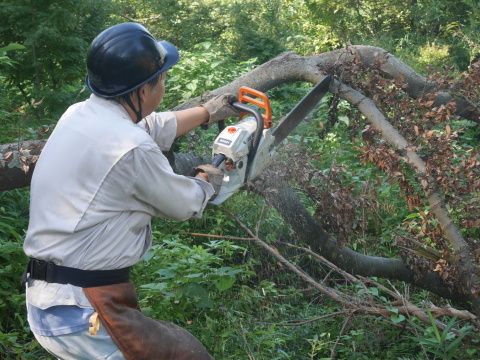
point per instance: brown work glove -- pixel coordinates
(215, 177)
(220, 108)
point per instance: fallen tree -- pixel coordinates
(399, 110)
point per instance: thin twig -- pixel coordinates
(348, 301)
(220, 237)
(335, 295)
(332, 353)
(329, 264)
(309, 320)
(257, 228)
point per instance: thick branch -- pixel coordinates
(392, 67)
(16, 169)
(286, 202)
(461, 249)
(289, 67)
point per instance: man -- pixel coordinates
(99, 180)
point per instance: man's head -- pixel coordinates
(125, 57)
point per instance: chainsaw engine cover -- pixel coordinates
(234, 142)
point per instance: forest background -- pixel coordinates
(238, 299)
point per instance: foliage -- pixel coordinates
(4, 59)
(188, 275)
(256, 30)
(446, 344)
(400, 26)
(14, 337)
(204, 68)
(433, 55)
(175, 21)
(55, 35)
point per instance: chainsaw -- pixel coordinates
(244, 149)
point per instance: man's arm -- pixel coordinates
(216, 109)
(190, 118)
(168, 195)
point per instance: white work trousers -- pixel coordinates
(81, 345)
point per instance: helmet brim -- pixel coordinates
(172, 56)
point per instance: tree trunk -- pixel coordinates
(17, 162)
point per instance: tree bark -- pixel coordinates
(16, 169)
(290, 67)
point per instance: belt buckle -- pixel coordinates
(39, 269)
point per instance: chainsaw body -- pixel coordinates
(235, 145)
(243, 150)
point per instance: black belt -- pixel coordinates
(49, 272)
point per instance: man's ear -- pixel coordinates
(142, 92)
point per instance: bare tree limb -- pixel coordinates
(354, 303)
(287, 203)
(334, 348)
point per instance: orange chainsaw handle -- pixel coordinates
(248, 95)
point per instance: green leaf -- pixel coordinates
(16, 235)
(373, 291)
(12, 46)
(447, 329)
(430, 342)
(154, 286)
(434, 326)
(224, 283)
(148, 256)
(198, 294)
(392, 309)
(344, 119)
(436, 352)
(215, 64)
(397, 318)
(166, 273)
(411, 216)
(190, 276)
(452, 348)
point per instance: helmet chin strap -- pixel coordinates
(129, 102)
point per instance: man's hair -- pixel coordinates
(152, 83)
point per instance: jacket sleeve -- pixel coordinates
(162, 127)
(166, 194)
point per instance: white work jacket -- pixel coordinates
(99, 180)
